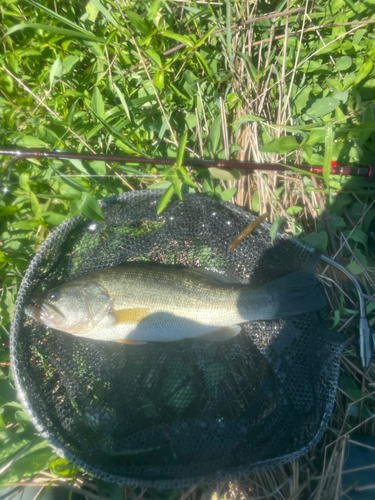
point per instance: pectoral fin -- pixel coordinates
(134, 315)
(225, 333)
(130, 341)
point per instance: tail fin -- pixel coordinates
(295, 293)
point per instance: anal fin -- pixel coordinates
(222, 334)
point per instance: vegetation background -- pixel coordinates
(242, 79)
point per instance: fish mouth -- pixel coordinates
(45, 314)
(34, 312)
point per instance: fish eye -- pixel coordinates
(54, 295)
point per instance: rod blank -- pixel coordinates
(241, 165)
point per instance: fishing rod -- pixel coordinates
(367, 172)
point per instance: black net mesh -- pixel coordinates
(173, 414)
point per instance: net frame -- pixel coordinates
(237, 219)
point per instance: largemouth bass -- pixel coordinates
(140, 303)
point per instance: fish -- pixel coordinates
(138, 303)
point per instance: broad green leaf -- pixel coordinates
(255, 201)
(11, 444)
(97, 103)
(154, 56)
(180, 38)
(95, 49)
(204, 65)
(181, 149)
(357, 235)
(364, 71)
(153, 10)
(314, 137)
(164, 200)
(69, 63)
(186, 179)
(341, 95)
(21, 417)
(122, 142)
(99, 167)
(335, 221)
(55, 72)
(349, 80)
(23, 180)
(359, 265)
(71, 113)
(336, 318)
(294, 210)
(319, 241)
(225, 175)
(343, 63)
(370, 307)
(228, 193)
(79, 166)
(62, 467)
(246, 119)
(204, 37)
(37, 458)
(334, 84)
(346, 383)
(35, 205)
(137, 22)
(176, 184)
(253, 72)
(341, 201)
(328, 153)
(122, 99)
(127, 147)
(53, 218)
(281, 145)
(88, 205)
(215, 134)
(92, 12)
(322, 107)
(358, 35)
(28, 141)
(311, 65)
(158, 80)
(26, 224)
(274, 229)
(9, 210)
(366, 220)
(78, 188)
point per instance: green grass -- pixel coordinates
(141, 78)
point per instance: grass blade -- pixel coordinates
(57, 16)
(164, 200)
(53, 29)
(328, 153)
(181, 149)
(105, 12)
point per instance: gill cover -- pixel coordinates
(75, 307)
